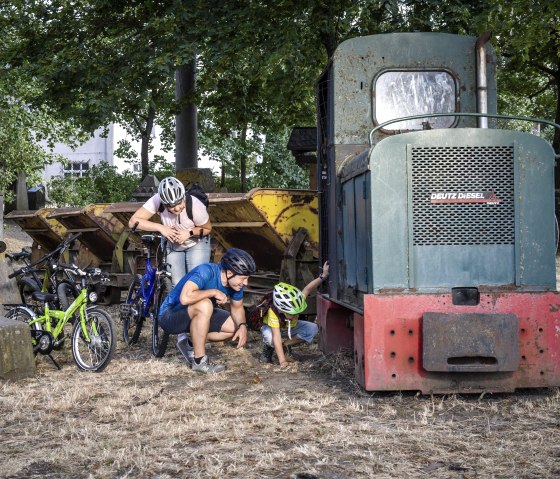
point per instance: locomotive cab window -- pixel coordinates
(406, 93)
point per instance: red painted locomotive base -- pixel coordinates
(388, 342)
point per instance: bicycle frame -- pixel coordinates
(148, 287)
(149, 281)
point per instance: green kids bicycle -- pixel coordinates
(93, 333)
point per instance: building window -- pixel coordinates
(409, 93)
(77, 168)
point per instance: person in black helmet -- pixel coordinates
(191, 307)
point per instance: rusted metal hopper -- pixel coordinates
(46, 232)
(100, 230)
(263, 222)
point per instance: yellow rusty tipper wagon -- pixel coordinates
(100, 233)
(278, 227)
(46, 233)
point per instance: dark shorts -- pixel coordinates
(176, 320)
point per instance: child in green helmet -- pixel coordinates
(281, 327)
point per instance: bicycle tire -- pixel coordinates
(67, 292)
(27, 286)
(95, 355)
(160, 338)
(21, 313)
(132, 318)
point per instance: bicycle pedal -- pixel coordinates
(125, 310)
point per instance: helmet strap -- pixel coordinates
(229, 277)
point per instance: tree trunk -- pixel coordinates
(243, 161)
(186, 123)
(146, 137)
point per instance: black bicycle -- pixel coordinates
(49, 279)
(145, 295)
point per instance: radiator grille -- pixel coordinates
(448, 169)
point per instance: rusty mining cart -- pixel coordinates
(278, 227)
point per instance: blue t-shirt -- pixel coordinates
(205, 276)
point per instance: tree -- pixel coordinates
(277, 169)
(527, 38)
(259, 77)
(100, 61)
(25, 134)
(96, 71)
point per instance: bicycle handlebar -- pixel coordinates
(16, 273)
(25, 270)
(22, 255)
(150, 238)
(58, 250)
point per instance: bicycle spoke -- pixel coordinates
(95, 354)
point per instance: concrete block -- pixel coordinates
(9, 293)
(16, 351)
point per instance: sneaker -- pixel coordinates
(266, 355)
(185, 346)
(206, 366)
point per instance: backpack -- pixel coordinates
(193, 190)
(256, 315)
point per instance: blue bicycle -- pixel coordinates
(145, 295)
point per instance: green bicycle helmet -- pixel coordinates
(288, 299)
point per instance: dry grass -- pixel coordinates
(148, 418)
(151, 418)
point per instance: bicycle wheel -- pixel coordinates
(160, 338)
(67, 293)
(27, 286)
(21, 313)
(95, 354)
(131, 312)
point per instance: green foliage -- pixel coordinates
(93, 62)
(103, 184)
(161, 168)
(527, 38)
(278, 168)
(26, 134)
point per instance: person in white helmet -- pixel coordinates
(189, 240)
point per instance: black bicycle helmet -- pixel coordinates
(239, 262)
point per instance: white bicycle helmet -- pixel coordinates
(171, 191)
(288, 299)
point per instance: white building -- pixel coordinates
(99, 149)
(91, 153)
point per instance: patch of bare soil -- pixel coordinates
(15, 238)
(155, 418)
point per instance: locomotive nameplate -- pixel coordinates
(465, 197)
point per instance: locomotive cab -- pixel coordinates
(440, 227)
